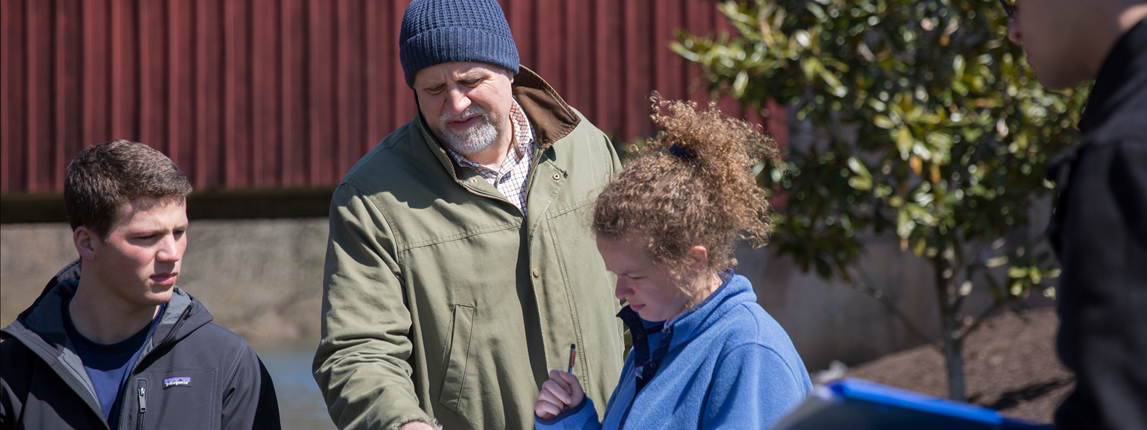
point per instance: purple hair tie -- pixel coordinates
(681, 152)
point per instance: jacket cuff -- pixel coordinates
(404, 421)
(578, 414)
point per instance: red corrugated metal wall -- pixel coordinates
(290, 93)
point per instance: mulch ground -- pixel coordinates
(1009, 365)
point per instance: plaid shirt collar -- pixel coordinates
(510, 178)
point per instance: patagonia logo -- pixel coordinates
(178, 381)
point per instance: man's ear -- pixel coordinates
(86, 242)
(700, 257)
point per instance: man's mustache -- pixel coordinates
(470, 111)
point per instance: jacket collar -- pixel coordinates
(40, 328)
(732, 292)
(45, 319)
(551, 116)
(1122, 75)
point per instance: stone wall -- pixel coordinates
(262, 279)
(259, 278)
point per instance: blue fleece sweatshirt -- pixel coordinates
(726, 364)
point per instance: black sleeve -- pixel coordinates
(249, 401)
(1100, 234)
(267, 412)
(17, 366)
(5, 405)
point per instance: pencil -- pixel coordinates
(573, 355)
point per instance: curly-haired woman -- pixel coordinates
(705, 354)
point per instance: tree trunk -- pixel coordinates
(953, 349)
(950, 327)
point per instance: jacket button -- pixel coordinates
(557, 176)
(473, 181)
(537, 272)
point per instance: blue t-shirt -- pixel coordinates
(108, 366)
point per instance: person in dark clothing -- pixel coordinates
(111, 334)
(1099, 225)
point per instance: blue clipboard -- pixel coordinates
(862, 405)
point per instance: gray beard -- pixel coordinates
(474, 140)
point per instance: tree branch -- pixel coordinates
(889, 305)
(979, 320)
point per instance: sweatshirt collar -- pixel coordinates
(684, 326)
(700, 316)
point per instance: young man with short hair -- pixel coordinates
(1099, 227)
(112, 342)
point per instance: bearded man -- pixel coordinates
(460, 266)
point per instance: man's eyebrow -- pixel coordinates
(428, 82)
(144, 232)
(156, 229)
(469, 75)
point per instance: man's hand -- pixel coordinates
(561, 392)
(417, 425)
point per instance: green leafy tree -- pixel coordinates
(929, 126)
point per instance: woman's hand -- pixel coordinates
(561, 392)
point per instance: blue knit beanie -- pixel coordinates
(444, 31)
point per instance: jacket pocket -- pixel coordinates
(176, 398)
(456, 359)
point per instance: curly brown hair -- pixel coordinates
(702, 192)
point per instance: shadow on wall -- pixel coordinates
(830, 321)
(259, 278)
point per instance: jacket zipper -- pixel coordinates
(143, 382)
(142, 404)
(142, 409)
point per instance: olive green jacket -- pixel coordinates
(442, 302)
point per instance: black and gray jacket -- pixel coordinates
(192, 373)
